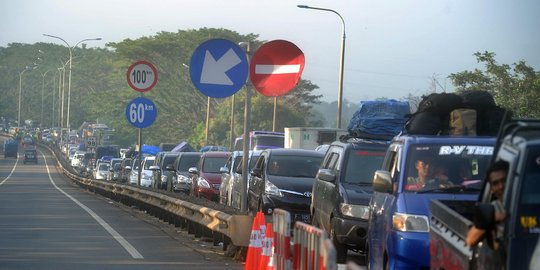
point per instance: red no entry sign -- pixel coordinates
(142, 76)
(276, 67)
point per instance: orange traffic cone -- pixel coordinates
(267, 249)
(254, 249)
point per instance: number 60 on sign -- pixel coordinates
(141, 112)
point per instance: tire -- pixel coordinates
(341, 249)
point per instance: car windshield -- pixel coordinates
(440, 168)
(103, 167)
(362, 164)
(187, 162)
(148, 163)
(168, 160)
(294, 166)
(213, 164)
(267, 141)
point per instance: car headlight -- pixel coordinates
(183, 179)
(163, 178)
(356, 211)
(203, 183)
(271, 189)
(410, 223)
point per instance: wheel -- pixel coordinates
(341, 249)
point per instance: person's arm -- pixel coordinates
(474, 236)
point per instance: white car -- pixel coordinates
(77, 158)
(102, 171)
(146, 174)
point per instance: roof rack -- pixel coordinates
(362, 136)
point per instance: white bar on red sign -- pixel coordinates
(276, 69)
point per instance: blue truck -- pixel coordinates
(416, 170)
(11, 148)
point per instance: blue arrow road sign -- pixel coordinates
(218, 68)
(141, 112)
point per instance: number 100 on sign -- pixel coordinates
(141, 112)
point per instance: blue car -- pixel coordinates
(416, 170)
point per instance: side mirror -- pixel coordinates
(154, 168)
(326, 175)
(223, 170)
(256, 172)
(382, 182)
(484, 216)
(193, 170)
(169, 167)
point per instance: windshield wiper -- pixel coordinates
(450, 189)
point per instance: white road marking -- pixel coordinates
(127, 246)
(12, 170)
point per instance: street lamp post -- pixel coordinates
(69, 76)
(342, 59)
(20, 93)
(42, 90)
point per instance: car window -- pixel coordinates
(148, 163)
(362, 164)
(294, 166)
(530, 191)
(187, 162)
(213, 164)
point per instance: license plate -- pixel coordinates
(302, 217)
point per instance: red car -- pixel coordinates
(206, 177)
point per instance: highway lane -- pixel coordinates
(47, 222)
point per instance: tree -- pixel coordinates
(515, 87)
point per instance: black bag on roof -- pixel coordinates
(477, 99)
(488, 115)
(433, 114)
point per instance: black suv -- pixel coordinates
(343, 188)
(30, 155)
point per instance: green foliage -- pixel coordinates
(516, 86)
(99, 90)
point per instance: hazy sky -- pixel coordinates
(393, 47)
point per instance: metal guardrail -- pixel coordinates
(198, 220)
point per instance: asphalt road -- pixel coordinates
(47, 222)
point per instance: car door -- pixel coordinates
(256, 183)
(326, 191)
(381, 207)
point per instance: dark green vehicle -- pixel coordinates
(30, 155)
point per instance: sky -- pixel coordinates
(393, 47)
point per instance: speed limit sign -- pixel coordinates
(142, 76)
(141, 112)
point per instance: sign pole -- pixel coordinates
(140, 158)
(232, 123)
(246, 140)
(274, 117)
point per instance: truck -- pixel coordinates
(11, 148)
(311, 137)
(519, 146)
(417, 169)
(260, 140)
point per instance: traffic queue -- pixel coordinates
(369, 191)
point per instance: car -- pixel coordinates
(114, 169)
(102, 171)
(283, 178)
(133, 176)
(181, 178)
(418, 169)
(125, 169)
(206, 177)
(235, 185)
(228, 172)
(147, 179)
(77, 159)
(11, 148)
(342, 190)
(161, 174)
(27, 141)
(30, 155)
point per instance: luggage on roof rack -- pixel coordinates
(379, 119)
